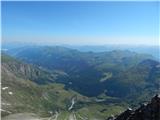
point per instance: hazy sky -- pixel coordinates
(81, 23)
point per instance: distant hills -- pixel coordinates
(142, 49)
(85, 70)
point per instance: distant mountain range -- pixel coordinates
(142, 49)
(117, 72)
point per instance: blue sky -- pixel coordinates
(80, 23)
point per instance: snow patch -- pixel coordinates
(4, 88)
(10, 93)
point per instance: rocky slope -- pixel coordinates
(150, 111)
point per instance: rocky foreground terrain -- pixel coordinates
(150, 111)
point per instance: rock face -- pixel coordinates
(150, 111)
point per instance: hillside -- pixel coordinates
(147, 111)
(24, 97)
(19, 93)
(49, 82)
(28, 71)
(117, 73)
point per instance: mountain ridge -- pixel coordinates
(82, 66)
(147, 111)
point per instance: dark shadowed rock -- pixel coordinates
(150, 111)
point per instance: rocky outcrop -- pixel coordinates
(150, 111)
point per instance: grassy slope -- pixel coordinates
(28, 96)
